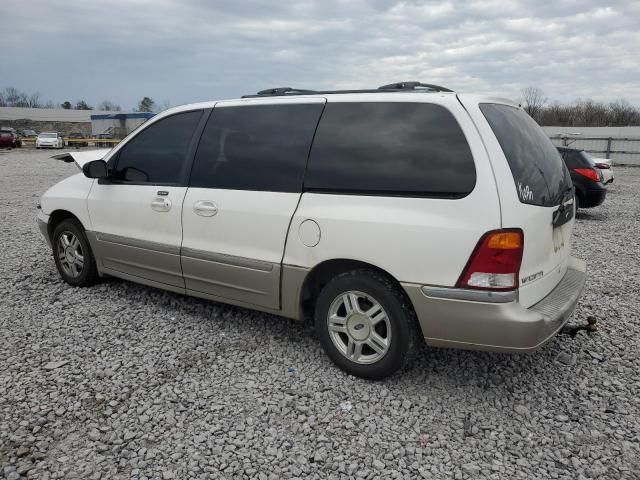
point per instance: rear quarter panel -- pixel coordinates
(546, 252)
(417, 240)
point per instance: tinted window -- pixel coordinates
(397, 148)
(575, 158)
(156, 155)
(590, 162)
(256, 147)
(538, 170)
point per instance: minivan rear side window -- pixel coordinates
(391, 148)
(539, 173)
(256, 147)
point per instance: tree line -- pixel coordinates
(580, 113)
(12, 97)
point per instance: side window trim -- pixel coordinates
(388, 193)
(186, 163)
(303, 188)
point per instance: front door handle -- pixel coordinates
(160, 204)
(205, 208)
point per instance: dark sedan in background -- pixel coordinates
(587, 177)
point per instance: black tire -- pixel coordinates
(88, 274)
(404, 330)
(577, 201)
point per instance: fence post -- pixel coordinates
(608, 148)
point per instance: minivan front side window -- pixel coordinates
(156, 155)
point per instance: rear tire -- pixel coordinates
(73, 255)
(366, 324)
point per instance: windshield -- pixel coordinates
(538, 170)
(48, 135)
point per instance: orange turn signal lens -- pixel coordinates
(505, 240)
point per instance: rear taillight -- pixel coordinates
(604, 166)
(590, 173)
(495, 262)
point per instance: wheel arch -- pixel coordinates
(323, 272)
(58, 216)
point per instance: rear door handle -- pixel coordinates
(205, 208)
(160, 204)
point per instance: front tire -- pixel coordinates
(366, 324)
(72, 253)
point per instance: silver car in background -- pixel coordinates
(604, 166)
(49, 140)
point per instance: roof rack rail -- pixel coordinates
(393, 87)
(285, 91)
(414, 86)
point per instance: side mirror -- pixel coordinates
(95, 169)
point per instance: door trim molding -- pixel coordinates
(137, 243)
(226, 259)
(222, 258)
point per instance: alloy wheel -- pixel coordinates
(359, 327)
(70, 254)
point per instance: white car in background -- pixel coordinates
(49, 140)
(604, 165)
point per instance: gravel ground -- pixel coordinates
(158, 385)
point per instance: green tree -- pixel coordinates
(66, 105)
(82, 105)
(146, 105)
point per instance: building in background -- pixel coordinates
(47, 119)
(117, 124)
(90, 123)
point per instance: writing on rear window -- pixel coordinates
(526, 194)
(538, 170)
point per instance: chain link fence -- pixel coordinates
(621, 150)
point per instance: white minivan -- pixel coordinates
(386, 215)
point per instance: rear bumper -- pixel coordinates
(497, 325)
(607, 177)
(592, 197)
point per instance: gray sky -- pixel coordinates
(193, 50)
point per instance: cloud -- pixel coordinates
(186, 51)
